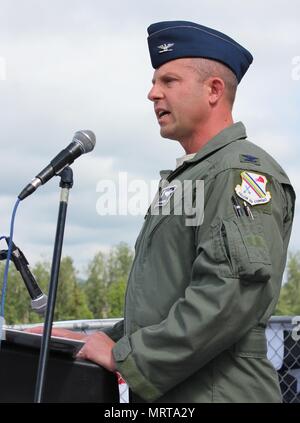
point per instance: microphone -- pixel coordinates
(38, 298)
(83, 142)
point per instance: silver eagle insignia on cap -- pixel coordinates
(164, 48)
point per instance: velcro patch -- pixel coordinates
(253, 188)
(248, 158)
(165, 196)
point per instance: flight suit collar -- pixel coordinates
(228, 135)
(232, 133)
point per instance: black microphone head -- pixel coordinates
(86, 139)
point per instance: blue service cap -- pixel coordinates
(176, 39)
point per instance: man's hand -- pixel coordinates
(98, 348)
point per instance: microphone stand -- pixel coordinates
(66, 184)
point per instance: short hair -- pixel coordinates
(207, 68)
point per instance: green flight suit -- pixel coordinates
(199, 297)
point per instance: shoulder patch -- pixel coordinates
(253, 188)
(248, 158)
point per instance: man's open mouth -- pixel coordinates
(162, 113)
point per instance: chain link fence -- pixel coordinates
(283, 339)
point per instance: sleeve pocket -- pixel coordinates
(241, 250)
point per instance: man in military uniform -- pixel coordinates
(199, 296)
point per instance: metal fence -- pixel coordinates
(283, 336)
(283, 339)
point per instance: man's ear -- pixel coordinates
(216, 88)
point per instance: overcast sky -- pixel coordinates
(68, 65)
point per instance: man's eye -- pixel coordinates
(169, 81)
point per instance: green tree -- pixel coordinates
(119, 263)
(17, 300)
(71, 302)
(96, 286)
(106, 283)
(100, 296)
(115, 297)
(289, 300)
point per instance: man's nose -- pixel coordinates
(155, 93)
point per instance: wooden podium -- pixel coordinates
(67, 379)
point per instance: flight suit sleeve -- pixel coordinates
(234, 286)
